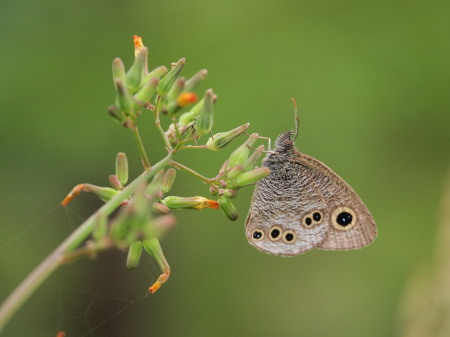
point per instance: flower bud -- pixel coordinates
(124, 101)
(104, 193)
(205, 119)
(118, 70)
(147, 91)
(115, 113)
(136, 73)
(115, 182)
(192, 83)
(197, 202)
(101, 227)
(235, 171)
(228, 208)
(229, 193)
(166, 83)
(220, 140)
(155, 184)
(122, 167)
(134, 255)
(157, 72)
(176, 89)
(160, 208)
(253, 176)
(213, 191)
(168, 180)
(251, 162)
(240, 155)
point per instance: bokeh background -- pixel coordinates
(371, 81)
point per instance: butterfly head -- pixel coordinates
(284, 142)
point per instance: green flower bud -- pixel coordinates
(235, 171)
(156, 73)
(168, 180)
(205, 120)
(228, 193)
(104, 193)
(136, 73)
(176, 89)
(101, 227)
(147, 91)
(251, 162)
(155, 185)
(241, 154)
(220, 140)
(192, 83)
(118, 70)
(122, 167)
(213, 191)
(166, 83)
(114, 112)
(115, 182)
(228, 208)
(124, 101)
(174, 202)
(253, 176)
(134, 255)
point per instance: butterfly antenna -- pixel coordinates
(297, 120)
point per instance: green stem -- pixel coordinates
(55, 259)
(141, 147)
(190, 171)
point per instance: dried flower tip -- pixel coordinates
(186, 98)
(138, 45)
(134, 255)
(253, 176)
(220, 140)
(174, 202)
(153, 247)
(228, 208)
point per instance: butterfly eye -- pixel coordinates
(275, 233)
(343, 218)
(311, 219)
(289, 236)
(257, 235)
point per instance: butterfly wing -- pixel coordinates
(303, 205)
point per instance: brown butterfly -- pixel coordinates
(303, 205)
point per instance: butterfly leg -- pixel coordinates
(153, 247)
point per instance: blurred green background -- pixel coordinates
(370, 78)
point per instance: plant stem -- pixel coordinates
(194, 173)
(55, 259)
(141, 147)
